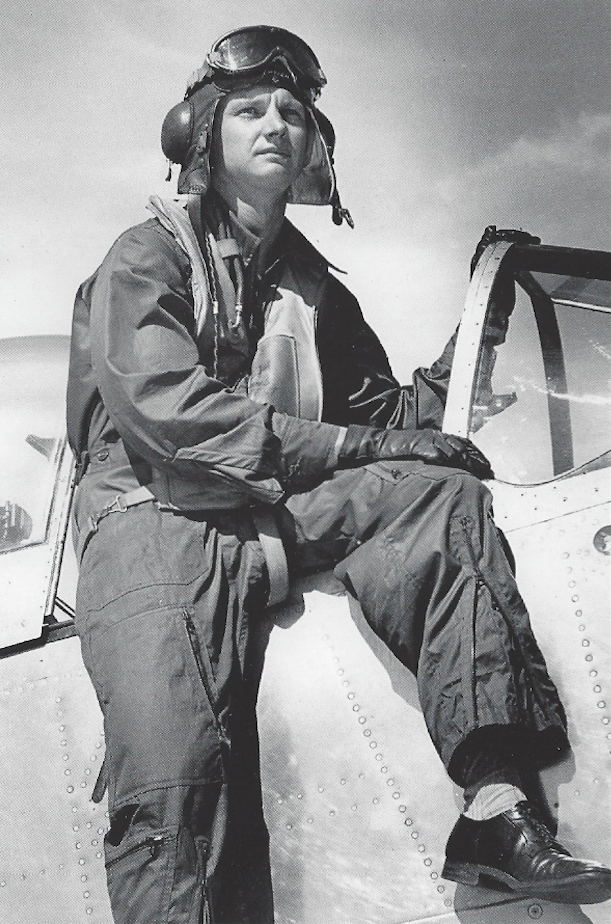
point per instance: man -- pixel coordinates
(225, 391)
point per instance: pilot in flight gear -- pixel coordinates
(224, 393)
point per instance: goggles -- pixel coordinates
(250, 49)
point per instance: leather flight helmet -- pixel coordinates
(186, 137)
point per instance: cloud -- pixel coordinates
(579, 149)
(555, 185)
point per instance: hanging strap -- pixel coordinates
(275, 556)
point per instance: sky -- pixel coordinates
(450, 115)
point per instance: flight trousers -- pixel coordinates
(166, 608)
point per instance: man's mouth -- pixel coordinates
(277, 151)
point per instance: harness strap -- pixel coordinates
(275, 556)
(269, 537)
(120, 504)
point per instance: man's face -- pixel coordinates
(261, 144)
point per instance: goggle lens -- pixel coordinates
(249, 49)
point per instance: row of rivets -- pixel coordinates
(585, 642)
(379, 757)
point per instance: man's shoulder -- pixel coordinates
(149, 234)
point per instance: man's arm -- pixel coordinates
(363, 388)
(161, 399)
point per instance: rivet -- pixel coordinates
(88, 910)
(345, 683)
(403, 808)
(67, 772)
(69, 788)
(434, 875)
(605, 720)
(95, 842)
(597, 688)
(575, 598)
(415, 835)
(83, 878)
(390, 781)
(351, 695)
(353, 807)
(342, 782)
(589, 657)
(376, 801)
(428, 862)
(331, 814)
(408, 822)
(379, 757)
(310, 821)
(373, 744)
(78, 845)
(362, 720)
(396, 795)
(586, 643)
(300, 795)
(421, 848)
(356, 708)
(86, 894)
(75, 827)
(81, 862)
(441, 889)
(99, 855)
(535, 911)
(578, 612)
(321, 789)
(447, 902)
(289, 826)
(279, 801)
(340, 672)
(601, 704)
(593, 673)
(383, 769)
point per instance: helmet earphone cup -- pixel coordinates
(177, 132)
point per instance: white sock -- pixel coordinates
(493, 800)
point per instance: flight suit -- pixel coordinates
(171, 589)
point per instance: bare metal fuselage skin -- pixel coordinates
(358, 804)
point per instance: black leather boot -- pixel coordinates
(517, 850)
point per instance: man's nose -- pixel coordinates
(274, 122)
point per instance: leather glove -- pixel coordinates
(492, 234)
(368, 444)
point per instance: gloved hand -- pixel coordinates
(369, 444)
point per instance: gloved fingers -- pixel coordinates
(473, 459)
